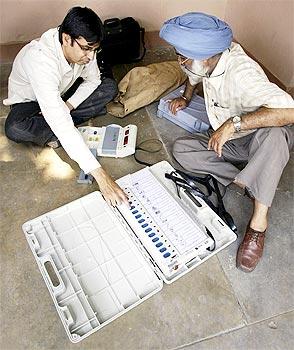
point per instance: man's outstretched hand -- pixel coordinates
(110, 190)
(220, 137)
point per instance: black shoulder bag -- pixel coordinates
(123, 41)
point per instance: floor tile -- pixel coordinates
(196, 306)
(267, 291)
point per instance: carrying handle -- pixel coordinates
(112, 23)
(52, 274)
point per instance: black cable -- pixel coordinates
(221, 207)
(214, 243)
(189, 184)
(141, 147)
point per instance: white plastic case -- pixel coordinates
(95, 266)
(192, 118)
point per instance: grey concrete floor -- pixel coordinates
(215, 306)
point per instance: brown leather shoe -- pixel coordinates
(250, 250)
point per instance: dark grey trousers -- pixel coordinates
(24, 123)
(266, 152)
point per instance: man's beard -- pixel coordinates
(198, 68)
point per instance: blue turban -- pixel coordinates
(197, 35)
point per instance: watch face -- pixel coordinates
(237, 123)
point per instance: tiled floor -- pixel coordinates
(215, 306)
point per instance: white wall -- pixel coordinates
(266, 29)
(23, 20)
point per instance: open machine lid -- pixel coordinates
(91, 266)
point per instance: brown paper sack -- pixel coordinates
(144, 85)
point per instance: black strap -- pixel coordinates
(190, 188)
(211, 236)
(142, 34)
(189, 182)
(205, 180)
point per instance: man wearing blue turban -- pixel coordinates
(249, 115)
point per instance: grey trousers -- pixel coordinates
(265, 152)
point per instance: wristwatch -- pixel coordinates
(237, 123)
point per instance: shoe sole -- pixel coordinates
(245, 268)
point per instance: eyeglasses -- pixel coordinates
(88, 48)
(181, 58)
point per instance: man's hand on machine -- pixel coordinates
(177, 103)
(220, 137)
(110, 190)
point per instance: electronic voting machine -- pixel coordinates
(99, 262)
(110, 141)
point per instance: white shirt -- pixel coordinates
(41, 73)
(237, 86)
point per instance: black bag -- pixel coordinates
(123, 41)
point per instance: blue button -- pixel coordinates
(158, 245)
(141, 220)
(151, 234)
(135, 211)
(162, 250)
(166, 255)
(144, 225)
(155, 239)
(138, 216)
(148, 229)
(132, 207)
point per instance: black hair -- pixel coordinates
(82, 21)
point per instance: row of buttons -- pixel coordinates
(146, 226)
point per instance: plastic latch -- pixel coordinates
(28, 229)
(218, 223)
(197, 125)
(34, 241)
(67, 315)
